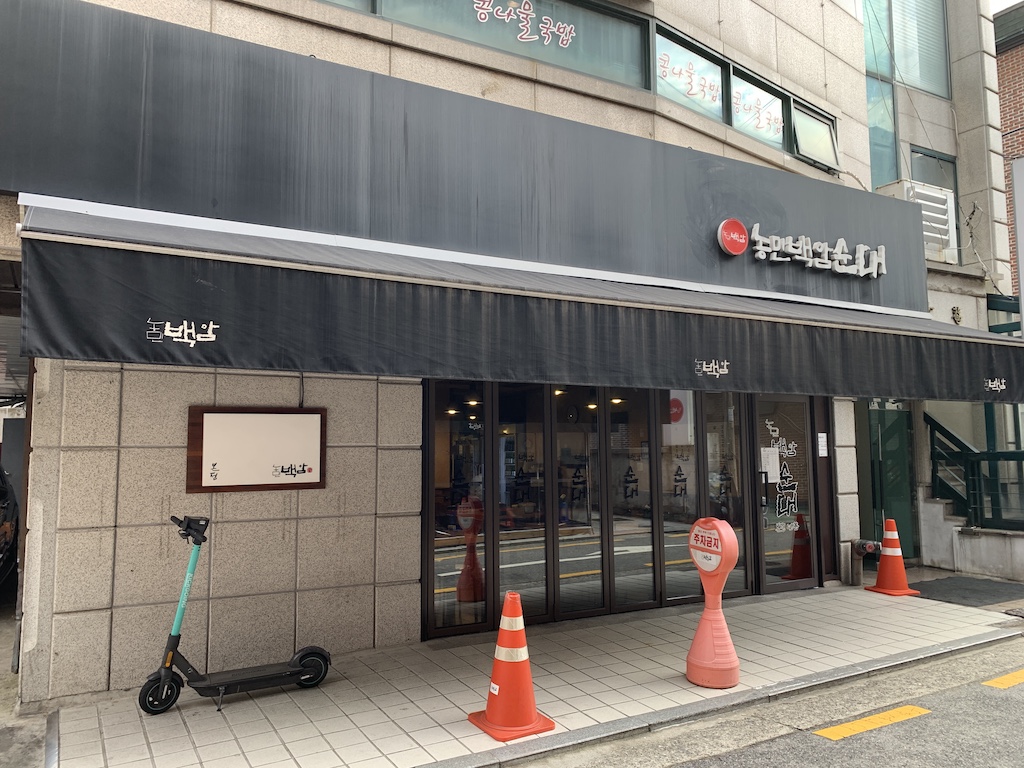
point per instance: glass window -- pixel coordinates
(815, 138)
(877, 38)
(578, 461)
(725, 498)
(688, 78)
(937, 171)
(678, 489)
(459, 536)
(522, 503)
(630, 481)
(919, 45)
(757, 112)
(882, 133)
(558, 33)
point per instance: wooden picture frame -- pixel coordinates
(255, 449)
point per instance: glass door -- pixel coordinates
(580, 558)
(459, 523)
(786, 493)
(629, 481)
(679, 487)
(726, 483)
(523, 511)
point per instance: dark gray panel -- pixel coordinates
(271, 318)
(106, 106)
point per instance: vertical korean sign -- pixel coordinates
(255, 449)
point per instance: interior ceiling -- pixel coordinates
(13, 367)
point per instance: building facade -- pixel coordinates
(564, 277)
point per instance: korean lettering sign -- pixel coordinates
(705, 548)
(238, 449)
(860, 260)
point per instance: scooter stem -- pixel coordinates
(180, 615)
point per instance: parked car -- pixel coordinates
(8, 526)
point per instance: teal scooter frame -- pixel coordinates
(306, 669)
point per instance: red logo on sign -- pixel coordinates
(675, 409)
(733, 237)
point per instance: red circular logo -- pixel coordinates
(675, 410)
(733, 237)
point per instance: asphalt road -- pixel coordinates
(967, 724)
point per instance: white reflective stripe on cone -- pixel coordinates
(892, 551)
(512, 622)
(511, 654)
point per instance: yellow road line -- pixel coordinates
(1006, 681)
(581, 573)
(837, 732)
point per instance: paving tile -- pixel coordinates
(328, 759)
(90, 761)
(355, 753)
(118, 757)
(259, 741)
(231, 761)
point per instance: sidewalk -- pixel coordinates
(407, 706)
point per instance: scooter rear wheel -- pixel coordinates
(155, 698)
(318, 666)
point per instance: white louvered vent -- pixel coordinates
(938, 209)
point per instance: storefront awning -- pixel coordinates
(154, 288)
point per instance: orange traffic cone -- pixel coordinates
(800, 564)
(892, 576)
(511, 708)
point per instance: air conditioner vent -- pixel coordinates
(938, 210)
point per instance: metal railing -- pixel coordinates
(986, 487)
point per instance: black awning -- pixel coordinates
(261, 303)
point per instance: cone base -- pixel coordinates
(713, 678)
(507, 733)
(893, 592)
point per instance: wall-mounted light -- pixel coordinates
(592, 406)
(451, 411)
(472, 417)
(559, 392)
(617, 400)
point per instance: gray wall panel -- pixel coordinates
(106, 106)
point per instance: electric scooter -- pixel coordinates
(307, 668)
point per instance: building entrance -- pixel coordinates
(581, 498)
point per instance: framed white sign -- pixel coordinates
(255, 449)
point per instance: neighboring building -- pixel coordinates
(494, 241)
(1009, 34)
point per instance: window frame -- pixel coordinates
(828, 122)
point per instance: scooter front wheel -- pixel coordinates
(156, 698)
(317, 666)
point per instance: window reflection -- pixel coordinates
(630, 481)
(725, 478)
(522, 504)
(578, 457)
(678, 489)
(459, 536)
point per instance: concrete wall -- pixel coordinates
(337, 567)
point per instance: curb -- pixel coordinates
(653, 721)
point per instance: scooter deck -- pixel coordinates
(246, 679)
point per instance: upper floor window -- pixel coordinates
(757, 112)
(600, 43)
(905, 41)
(597, 39)
(689, 78)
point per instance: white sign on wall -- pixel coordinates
(240, 449)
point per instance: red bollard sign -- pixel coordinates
(712, 660)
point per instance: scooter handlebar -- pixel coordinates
(192, 527)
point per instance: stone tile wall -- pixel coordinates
(337, 567)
